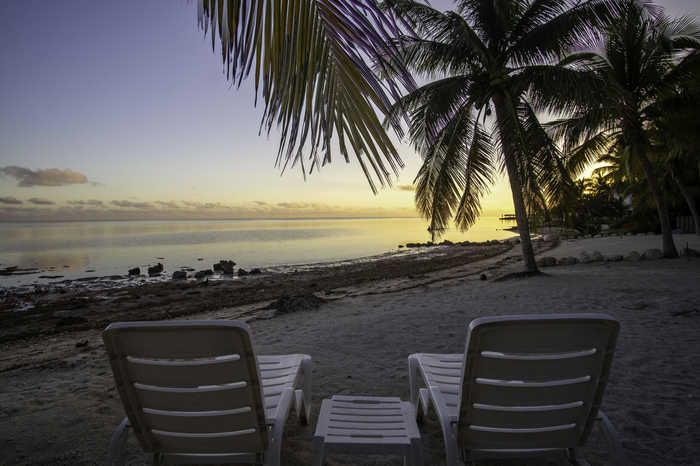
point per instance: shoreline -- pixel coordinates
(51, 310)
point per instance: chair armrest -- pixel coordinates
(117, 450)
(613, 439)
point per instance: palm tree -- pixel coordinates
(310, 60)
(675, 138)
(642, 56)
(490, 55)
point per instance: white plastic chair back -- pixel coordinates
(189, 387)
(534, 382)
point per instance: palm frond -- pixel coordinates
(441, 177)
(309, 60)
(576, 24)
(478, 177)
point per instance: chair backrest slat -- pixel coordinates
(190, 386)
(534, 381)
(192, 373)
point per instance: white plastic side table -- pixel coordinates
(367, 424)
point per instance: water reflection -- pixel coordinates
(113, 247)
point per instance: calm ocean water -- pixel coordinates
(83, 249)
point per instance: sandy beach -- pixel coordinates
(58, 404)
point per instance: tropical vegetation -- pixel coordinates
(642, 57)
(335, 75)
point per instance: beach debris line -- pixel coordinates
(289, 304)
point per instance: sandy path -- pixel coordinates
(62, 411)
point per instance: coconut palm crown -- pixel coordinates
(642, 57)
(491, 56)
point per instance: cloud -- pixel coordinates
(135, 205)
(298, 205)
(10, 200)
(49, 177)
(168, 204)
(405, 187)
(205, 205)
(41, 201)
(90, 202)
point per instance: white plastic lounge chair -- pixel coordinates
(526, 385)
(194, 392)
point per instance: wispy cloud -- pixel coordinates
(168, 204)
(88, 202)
(132, 204)
(41, 201)
(10, 200)
(124, 209)
(27, 178)
(405, 187)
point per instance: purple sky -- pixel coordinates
(129, 94)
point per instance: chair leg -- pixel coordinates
(274, 449)
(117, 446)
(413, 381)
(306, 408)
(450, 445)
(318, 451)
(613, 439)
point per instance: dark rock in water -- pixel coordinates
(155, 270)
(255, 271)
(400, 245)
(134, 271)
(160, 258)
(615, 258)
(179, 275)
(447, 242)
(413, 245)
(242, 272)
(289, 304)
(203, 273)
(81, 344)
(483, 277)
(225, 267)
(51, 276)
(89, 270)
(200, 258)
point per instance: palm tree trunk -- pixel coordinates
(669, 248)
(515, 185)
(689, 200)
